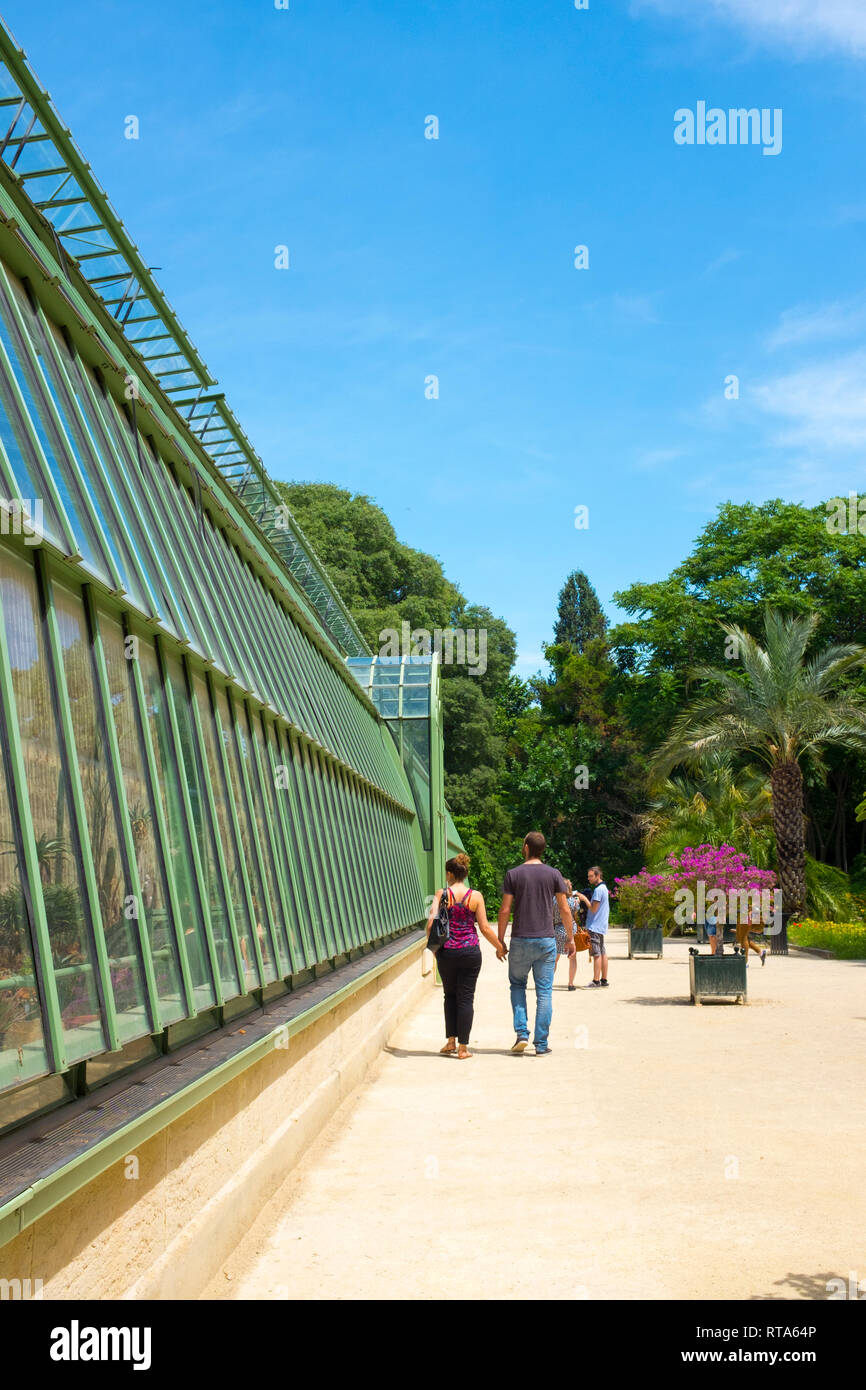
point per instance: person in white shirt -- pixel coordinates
(598, 915)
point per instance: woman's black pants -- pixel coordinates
(458, 971)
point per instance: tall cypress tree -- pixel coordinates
(580, 616)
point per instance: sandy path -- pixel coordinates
(662, 1151)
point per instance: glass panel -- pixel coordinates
(267, 846)
(279, 808)
(247, 842)
(30, 489)
(311, 824)
(100, 805)
(48, 790)
(204, 832)
(227, 839)
(162, 505)
(112, 522)
(173, 809)
(130, 463)
(285, 788)
(22, 1044)
(415, 751)
(37, 411)
(139, 808)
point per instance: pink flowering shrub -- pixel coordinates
(647, 897)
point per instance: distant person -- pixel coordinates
(459, 959)
(561, 934)
(716, 938)
(529, 888)
(597, 918)
(744, 940)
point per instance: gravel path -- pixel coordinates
(661, 1151)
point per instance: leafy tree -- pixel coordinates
(779, 554)
(783, 708)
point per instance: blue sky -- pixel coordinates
(411, 257)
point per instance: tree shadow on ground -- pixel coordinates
(811, 1286)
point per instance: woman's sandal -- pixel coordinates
(447, 1051)
(461, 1056)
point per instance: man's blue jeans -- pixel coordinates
(537, 954)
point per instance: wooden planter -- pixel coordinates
(645, 941)
(717, 977)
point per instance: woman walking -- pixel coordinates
(562, 937)
(459, 959)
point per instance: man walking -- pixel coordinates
(598, 915)
(530, 886)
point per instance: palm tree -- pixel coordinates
(780, 707)
(720, 803)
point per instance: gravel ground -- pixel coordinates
(661, 1151)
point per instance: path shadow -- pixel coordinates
(434, 1052)
(664, 1001)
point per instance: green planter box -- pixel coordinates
(717, 977)
(645, 941)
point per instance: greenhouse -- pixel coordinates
(201, 776)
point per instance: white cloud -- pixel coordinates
(822, 406)
(724, 259)
(649, 459)
(800, 24)
(799, 325)
(636, 308)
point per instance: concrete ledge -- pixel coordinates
(157, 1222)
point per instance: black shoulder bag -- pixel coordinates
(441, 927)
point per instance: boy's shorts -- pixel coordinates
(596, 943)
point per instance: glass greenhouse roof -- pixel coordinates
(39, 151)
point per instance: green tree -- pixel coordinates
(779, 554)
(782, 707)
(579, 614)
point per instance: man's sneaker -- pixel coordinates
(594, 984)
(520, 1045)
(605, 983)
(543, 1051)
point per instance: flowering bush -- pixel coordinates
(847, 940)
(652, 897)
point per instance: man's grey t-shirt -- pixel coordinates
(533, 885)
